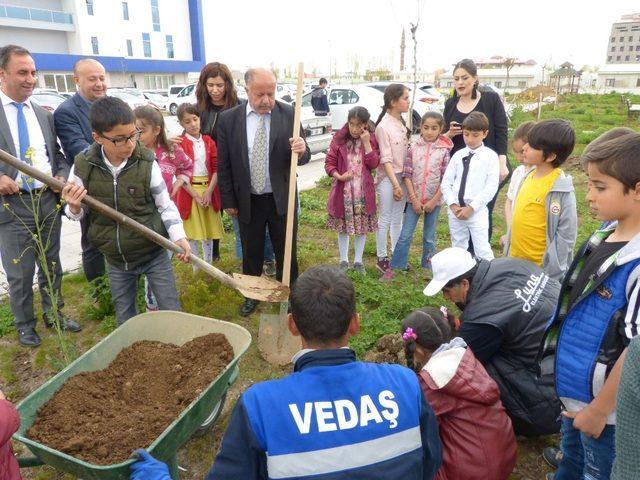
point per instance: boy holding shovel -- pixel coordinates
(124, 175)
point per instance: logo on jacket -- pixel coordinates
(530, 293)
(555, 208)
(345, 414)
(603, 292)
(131, 190)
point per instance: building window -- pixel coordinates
(626, 58)
(522, 84)
(617, 58)
(621, 48)
(630, 48)
(609, 58)
(610, 82)
(155, 15)
(593, 83)
(622, 39)
(638, 82)
(153, 82)
(94, 45)
(125, 10)
(637, 47)
(146, 44)
(631, 39)
(169, 39)
(613, 39)
(498, 84)
(129, 48)
(449, 84)
(89, 7)
(613, 49)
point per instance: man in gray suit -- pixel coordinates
(74, 131)
(27, 208)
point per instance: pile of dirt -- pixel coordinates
(102, 417)
(389, 349)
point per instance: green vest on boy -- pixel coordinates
(129, 193)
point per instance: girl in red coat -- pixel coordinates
(199, 203)
(352, 156)
(9, 423)
(476, 433)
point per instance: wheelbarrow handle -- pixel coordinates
(120, 218)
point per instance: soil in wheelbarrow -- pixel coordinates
(102, 417)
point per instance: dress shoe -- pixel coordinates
(66, 323)
(248, 306)
(552, 456)
(28, 337)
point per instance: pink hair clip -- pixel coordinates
(409, 335)
(444, 310)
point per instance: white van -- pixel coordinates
(187, 94)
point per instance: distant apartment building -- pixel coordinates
(621, 72)
(522, 75)
(149, 44)
(624, 40)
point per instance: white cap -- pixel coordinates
(448, 264)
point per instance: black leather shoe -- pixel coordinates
(66, 323)
(28, 337)
(248, 306)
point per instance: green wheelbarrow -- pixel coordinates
(165, 326)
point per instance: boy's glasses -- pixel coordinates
(119, 141)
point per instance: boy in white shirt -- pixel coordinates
(469, 183)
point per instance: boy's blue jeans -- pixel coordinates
(584, 457)
(409, 223)
(124, 286)
(269, 254)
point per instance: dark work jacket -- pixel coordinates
(263, 441)
(518, 298)
(234, 176)
(491, 105)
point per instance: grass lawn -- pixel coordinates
(382, 306)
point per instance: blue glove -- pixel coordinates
(148, 468)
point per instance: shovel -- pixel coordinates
(275, 342)
(258, 288)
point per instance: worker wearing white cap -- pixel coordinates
(506, 303)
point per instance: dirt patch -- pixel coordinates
(389, 349)
(102, 417)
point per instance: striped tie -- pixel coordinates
(259, 158)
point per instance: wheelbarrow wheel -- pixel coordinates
(211, 420)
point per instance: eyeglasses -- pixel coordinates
(119, 141)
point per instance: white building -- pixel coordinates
(621, 77)
(143, 43)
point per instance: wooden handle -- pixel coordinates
(122, 219)
(293, 180)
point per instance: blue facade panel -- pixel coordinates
(61, 62)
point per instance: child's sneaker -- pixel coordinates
(359, 267)
(344, 266)
(388, 275)
(382, 264)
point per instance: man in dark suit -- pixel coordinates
(74, 131)
(254, 161)
(27, 208)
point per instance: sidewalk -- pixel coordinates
(71, 252)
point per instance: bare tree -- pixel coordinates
(508, 64)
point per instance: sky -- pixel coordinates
(342, 34)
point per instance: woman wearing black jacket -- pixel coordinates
(466, 99)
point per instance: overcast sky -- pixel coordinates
(244, 33)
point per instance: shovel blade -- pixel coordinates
(262, 289)
(275, 342)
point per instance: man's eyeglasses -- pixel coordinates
(119, 141)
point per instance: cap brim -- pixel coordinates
(433, 287)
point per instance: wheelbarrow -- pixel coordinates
(164, 326)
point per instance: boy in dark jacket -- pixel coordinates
(123, 174)
(334, 417)
(319, 100)
(597, 314)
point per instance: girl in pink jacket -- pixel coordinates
(9, 424)
(352, 156)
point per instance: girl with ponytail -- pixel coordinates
(392, 136)
(469, 97)
(476, 433)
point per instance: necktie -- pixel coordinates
(23, 140)
(466, 163)
(259, 158)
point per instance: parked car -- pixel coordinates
(156, 100)
(185, 95)
(427, 97)
(47, 100)
(318, 132)
(132, 100)
(175, 89)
